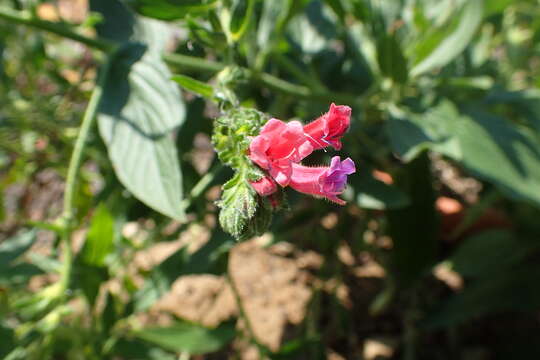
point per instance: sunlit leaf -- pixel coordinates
(452, 45)
(194, 85)
(140, 109)
(488, 146)
(171, 9)
(100, 237)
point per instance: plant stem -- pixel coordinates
(26, 18)
(262, 78)
(202, 185)
(76, 156)
(73, 169)
(193, 63)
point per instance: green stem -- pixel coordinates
(201, 186)
(193, 63)
(76, 156)
(26, 18)
(264, 79)
(73, 169)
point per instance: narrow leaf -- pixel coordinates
(12, 248)
(193, 85)
(456, 42)
(100, 237)
(171, 9)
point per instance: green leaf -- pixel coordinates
(489, 252)
(7, 341)
(171, 9)
(455, 42)
(100, 237)
(140, 109)
(120, 24)
(274, 14)
(508, 290)
(312, 30)
(12, 248)
(193, 85)
(496, 6)
(410, 133)
(89, 280)
(241, 14)
(191, 338)
(526, 102)
(18, 274)
(414, 228)
(238, 204)
(374, 194)
(12, 271)
(390, 58)
(491, 148)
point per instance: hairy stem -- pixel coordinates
(73, 170)
(76, 156)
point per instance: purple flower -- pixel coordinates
(323, 181)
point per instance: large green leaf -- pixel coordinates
(122, 25)
(488, 146)
(141, 107)
(452, 45)
(191, 338)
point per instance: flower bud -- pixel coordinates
(265, 186)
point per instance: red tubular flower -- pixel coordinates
(265, 186)
(329, 128)
(323, 181)
(278, 146)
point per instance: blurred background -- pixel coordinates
(110, 244)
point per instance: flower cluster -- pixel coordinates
(280, 147)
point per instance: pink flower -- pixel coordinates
(265, 186)
(323, 181)
(329, 128)
(278, 146)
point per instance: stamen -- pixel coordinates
(311, 137)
